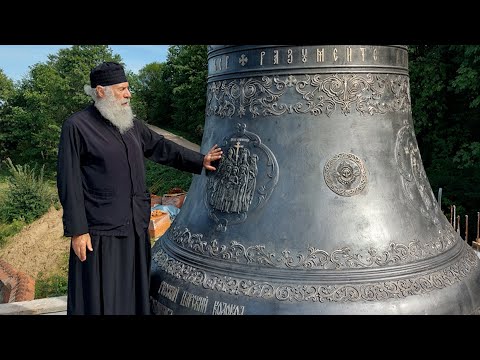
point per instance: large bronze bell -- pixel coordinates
(320, 204)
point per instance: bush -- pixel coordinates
(28, 195)
(51, 286)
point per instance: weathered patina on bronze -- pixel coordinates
(320, 204)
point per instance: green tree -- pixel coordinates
(154, 95)
(186, 72)
(6, 88)
(52, 91)
(71, 68)
(6, 93)
(446, 111)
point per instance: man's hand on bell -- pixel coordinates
(214, 154)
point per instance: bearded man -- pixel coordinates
(106, 205)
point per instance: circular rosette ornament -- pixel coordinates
(345, 174)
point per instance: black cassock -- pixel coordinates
(101, 185)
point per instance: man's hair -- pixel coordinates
(92, 92)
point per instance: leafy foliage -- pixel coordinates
(173, 95)
(154, 94)
(28, 196)
(161, 178)
(189, 84)
(50, 286)
(30, 124)
(445, 96)
(6, 88)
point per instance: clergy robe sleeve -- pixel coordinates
(166, 152)
(69, 181)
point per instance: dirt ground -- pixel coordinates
(39, 247)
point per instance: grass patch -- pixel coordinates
(8, 230)
(51, 286)
(54, 284)
(161, 178)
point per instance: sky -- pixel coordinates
(15, 60)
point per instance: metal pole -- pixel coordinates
(454, 216)
(466, 228)
(439, 197)
(458, 224)
(478, 225)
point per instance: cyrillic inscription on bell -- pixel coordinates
(320, 203)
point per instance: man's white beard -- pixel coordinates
(112, 109)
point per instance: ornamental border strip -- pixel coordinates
(376, 291)
(319, 94)
(342, 258)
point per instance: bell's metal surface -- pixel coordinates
(320, 204)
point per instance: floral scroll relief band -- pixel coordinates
(309, 94)
(375, 291)
(314, 258)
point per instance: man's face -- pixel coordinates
(120, 92)
(113, 102)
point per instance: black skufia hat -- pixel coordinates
(107, 73)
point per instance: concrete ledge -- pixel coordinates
(47, 306)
